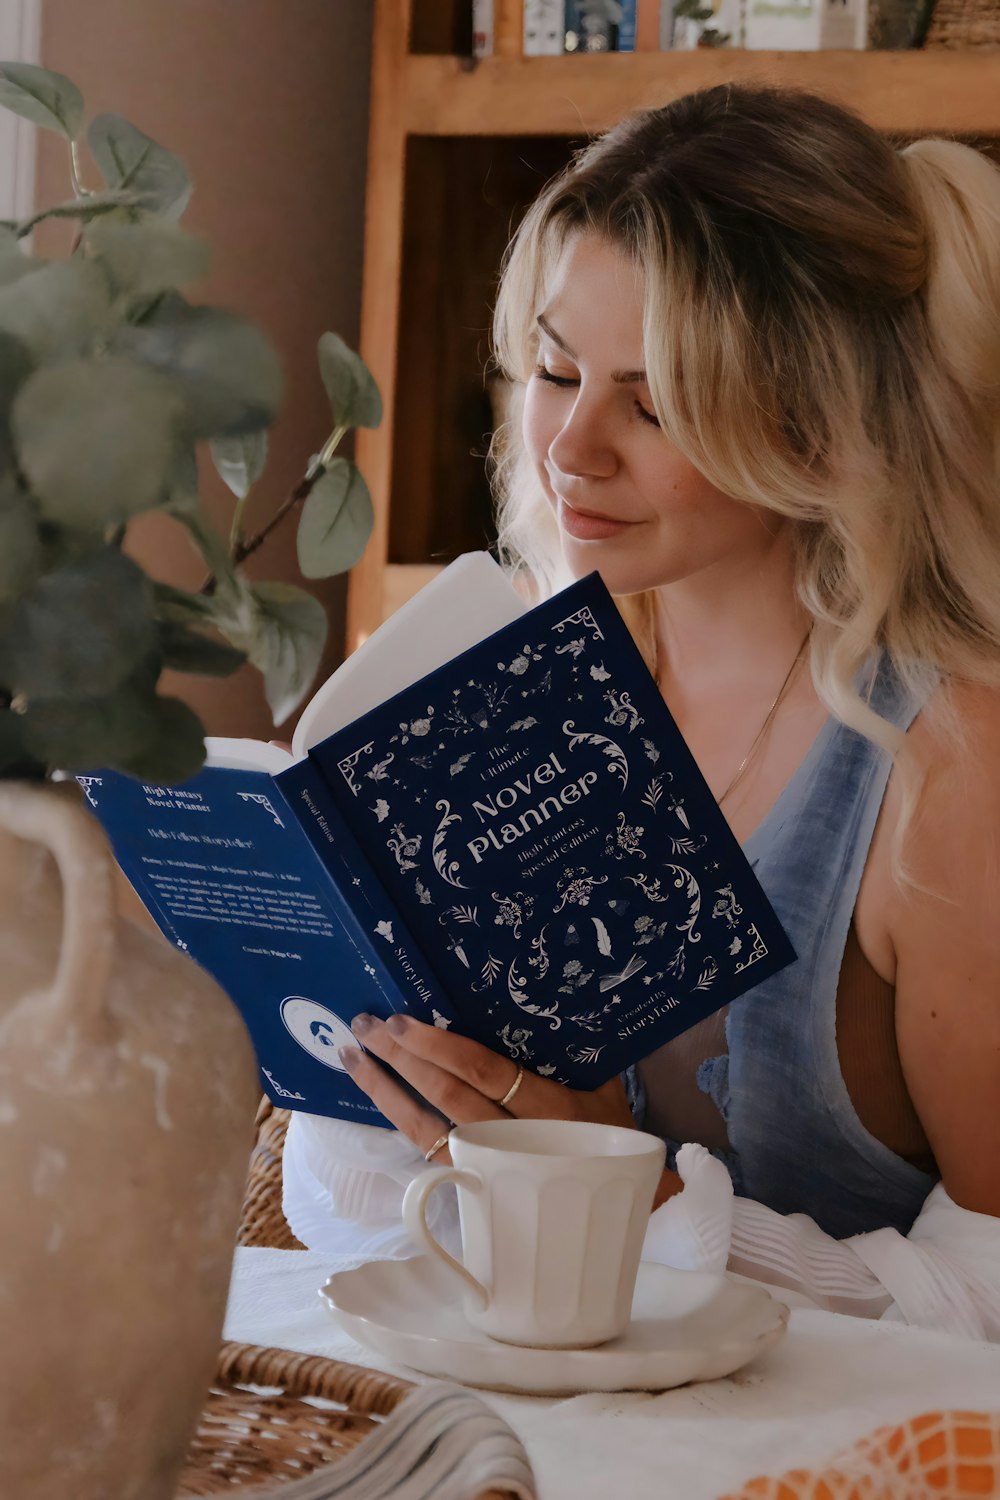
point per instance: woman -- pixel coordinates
(756, 352)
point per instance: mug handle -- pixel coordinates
(415, 1218)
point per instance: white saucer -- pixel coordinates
(686, 1325)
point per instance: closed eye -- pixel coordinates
(565, 382)
(550, 379)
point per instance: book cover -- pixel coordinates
(535, 817)
(281, 910)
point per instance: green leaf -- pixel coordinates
(190, 651)
(349, 383)
(240, 461)
(94, 206)
(175, 748)
(46, 98)
(60, 307)
(229, 375)
(337, 520)
(227, 597)
(81, 631)
(129, 159)
(13, 262)
(97, 439)
(180, 607)
(180, 495)
(154, 255)
(132, 730)
(20, 545)
(15, 367)
(282, 629)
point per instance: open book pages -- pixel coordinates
(495, 826)
(468, 601)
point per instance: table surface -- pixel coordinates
(832, 1380)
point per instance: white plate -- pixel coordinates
(686, 1325)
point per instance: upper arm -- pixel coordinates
(947, 948)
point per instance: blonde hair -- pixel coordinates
(822, 339)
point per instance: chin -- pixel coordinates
(621, 575)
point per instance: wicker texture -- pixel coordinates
(263, 1222)
(248, 1439)
(962, 24)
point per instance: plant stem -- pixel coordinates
(214, 552)
(330, 446)
(300, 492)
(234, 530)
(239, 550)
(79, 191)
(243, 549)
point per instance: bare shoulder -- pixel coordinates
(945, 934)
(959, 776)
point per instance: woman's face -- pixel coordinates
(628, 503)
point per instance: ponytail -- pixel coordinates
(958, 192)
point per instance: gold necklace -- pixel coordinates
(769, 717)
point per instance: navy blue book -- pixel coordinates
(517, 844)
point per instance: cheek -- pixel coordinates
(537, 428)
(679, 488)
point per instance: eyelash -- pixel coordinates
(563, 382)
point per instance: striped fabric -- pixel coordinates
(441, 1443)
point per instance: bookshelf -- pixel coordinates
(457, 150)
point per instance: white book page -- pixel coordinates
(246, 755)
(465, 603)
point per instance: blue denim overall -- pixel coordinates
(795, 1141)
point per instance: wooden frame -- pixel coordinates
(20, 41)
(435, 97)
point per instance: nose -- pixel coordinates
(583, 447)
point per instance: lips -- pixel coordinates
(589, 525)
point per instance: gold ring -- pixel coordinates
(512, 1090)
(441, 1141)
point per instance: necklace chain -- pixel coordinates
(769, 717)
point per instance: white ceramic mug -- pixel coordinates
(553, 1216)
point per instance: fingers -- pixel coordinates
(456, 1098)
(423, 1126)
(463, 1073)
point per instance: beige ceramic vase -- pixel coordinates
(127, 1093)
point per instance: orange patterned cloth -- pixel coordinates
(941, 1455)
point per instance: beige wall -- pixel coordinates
(266, 102)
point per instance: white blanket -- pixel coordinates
(344, 1187)
(831, 1381)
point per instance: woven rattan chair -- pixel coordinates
(246, 1438)
(262, 1221)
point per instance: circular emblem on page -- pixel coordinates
(317, 1030)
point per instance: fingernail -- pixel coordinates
(362, 1023)
(350, 1057)
(397, 1025)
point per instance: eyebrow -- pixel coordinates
(620, 377)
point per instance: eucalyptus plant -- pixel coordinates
(110, 383)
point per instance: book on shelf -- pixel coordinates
(600, 28)
(489, 820)
(544, 28)
(553, 27)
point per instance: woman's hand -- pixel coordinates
(462, 1082)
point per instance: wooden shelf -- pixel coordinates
(457, 149)
(904, 92)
